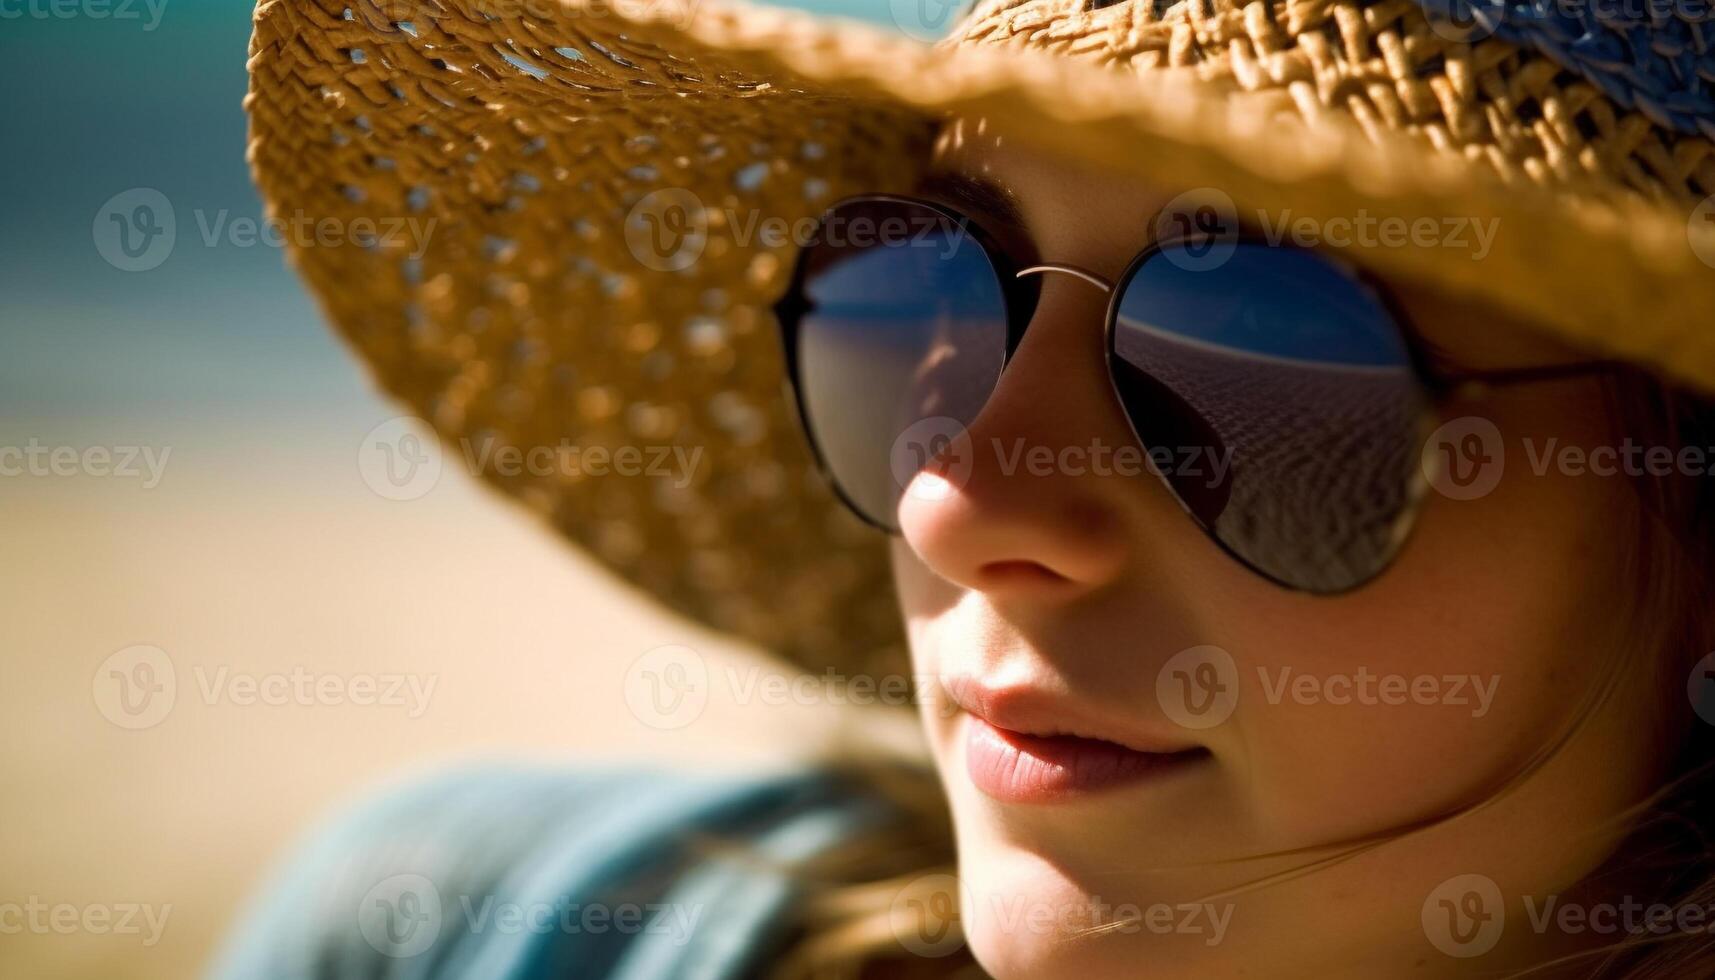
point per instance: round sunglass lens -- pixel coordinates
(1276, 395)
(900, 342)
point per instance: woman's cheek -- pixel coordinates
(1434, 687)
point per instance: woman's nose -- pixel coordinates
(1041, 505)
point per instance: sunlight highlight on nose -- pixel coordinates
(931, 484)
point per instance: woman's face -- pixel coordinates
(1050, 603)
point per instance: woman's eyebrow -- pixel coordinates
(973, 194)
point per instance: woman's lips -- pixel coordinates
(1014, 767)
(1020, 745)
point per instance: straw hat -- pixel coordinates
(565, 217)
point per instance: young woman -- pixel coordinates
(1282, 429)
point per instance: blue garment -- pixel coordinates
(519, 874)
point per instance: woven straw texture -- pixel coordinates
(596, 274)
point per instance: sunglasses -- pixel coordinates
(1288, 374)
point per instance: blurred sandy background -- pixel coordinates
(260, 551)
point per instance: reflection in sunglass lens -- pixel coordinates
(905, 321)
(1278, 394)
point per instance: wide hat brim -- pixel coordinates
(557, 226)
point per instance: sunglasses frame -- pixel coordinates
(1020, 289)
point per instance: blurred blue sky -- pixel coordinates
(214, 334)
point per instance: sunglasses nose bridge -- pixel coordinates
(1071, 270)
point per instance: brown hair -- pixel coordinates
(1673, 562)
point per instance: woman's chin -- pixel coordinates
(1024, 918)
